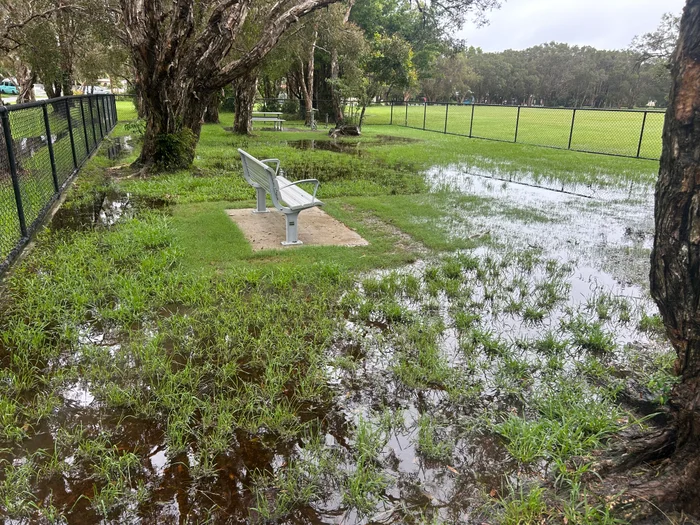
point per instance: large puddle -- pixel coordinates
(608, 227)
(351, 147)
(104, 210)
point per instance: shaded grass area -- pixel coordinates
(154, 358)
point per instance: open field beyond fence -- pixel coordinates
(612, 132)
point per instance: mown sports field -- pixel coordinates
(606, 131)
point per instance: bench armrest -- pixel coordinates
(296, 182)
(273, 161)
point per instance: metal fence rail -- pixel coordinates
(622, 133)
(42, 146)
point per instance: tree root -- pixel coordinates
(651, 475)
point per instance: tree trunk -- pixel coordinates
(338, 116)
(53, 89)
(211, 115)
(174, 109)
(675, 264)
(246, 88)
(307, 77)
(26, 79)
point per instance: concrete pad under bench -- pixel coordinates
(265, 231)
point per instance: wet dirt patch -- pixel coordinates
(266, 231)
(351, 148)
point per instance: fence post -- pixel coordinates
(641, 135)
(105, 118)
(405, 121)
(85, 133)
(108, 113)
(99, 117)
(471, 122)
(70, 132)
(108, 110)
(92, 120)
(571, 134)
(517, 124)
(5, 119)
(391, 119)
(425, 111)
(49, 142)
(447, 109)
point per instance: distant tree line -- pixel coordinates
(558, 74)
(553, 75)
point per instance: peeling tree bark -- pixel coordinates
(181, 56)
(306, 77)
(26, 79)
(675, 264)
(211, 115)
(246, 87)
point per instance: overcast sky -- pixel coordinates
(604, 24)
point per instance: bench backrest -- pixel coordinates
(260, 175)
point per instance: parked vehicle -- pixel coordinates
(8, 87)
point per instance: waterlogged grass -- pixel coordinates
(433, 376)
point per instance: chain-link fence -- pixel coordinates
(625, 133)
(42, 145)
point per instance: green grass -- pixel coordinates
(278, 382)
(612, 132)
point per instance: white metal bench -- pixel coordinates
(277, 121)
(286, 196)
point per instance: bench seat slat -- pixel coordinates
(293, 196)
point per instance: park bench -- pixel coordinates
(286, 196)
(269, 116)
(277, 121)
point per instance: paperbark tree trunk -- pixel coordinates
(675, 269)
(180, 52)
(26, 79)
(246, 88)
(307, 77)
(338, 116)
(211, 115)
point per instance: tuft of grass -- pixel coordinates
(590, 335)
(430, 444)
(651, 323)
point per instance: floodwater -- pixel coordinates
(350, 147)
(595, 235)
(105, 210)
(609, 225)
(119, 147)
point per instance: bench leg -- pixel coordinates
(292, 229)
(262, 207)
